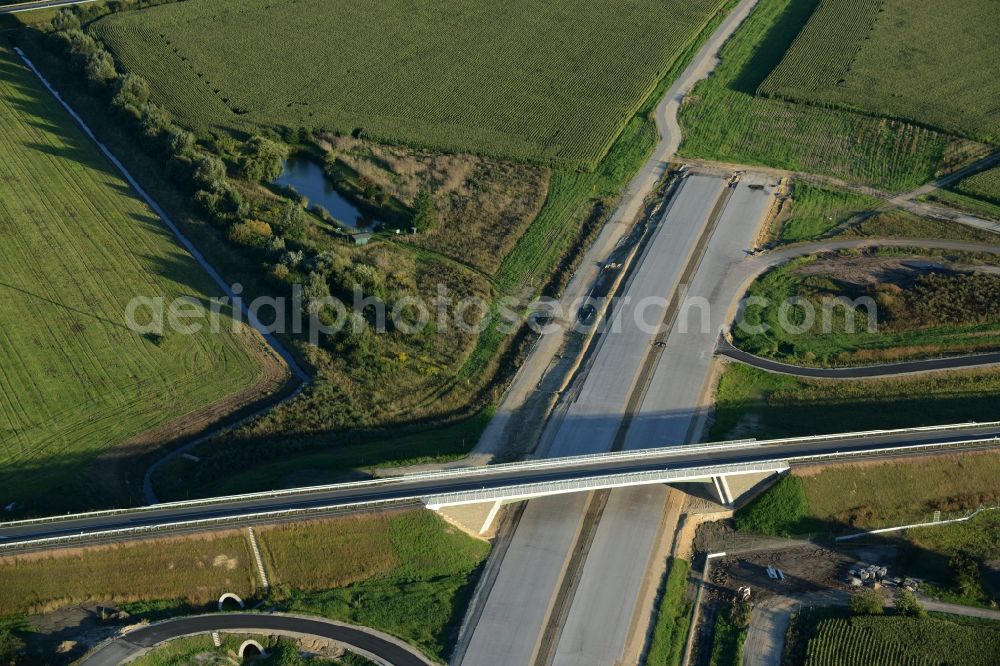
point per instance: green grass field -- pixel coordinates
(903, 224)
(725, 118)
(866, 640)
(899, 492)
(673, 615)
(754, 403)
(965, 203)
(902, 59)
(915, 315)
(405, 573)
(78, 246)
(557, 83)
(192, 571)
(727, 641)
(814, 210)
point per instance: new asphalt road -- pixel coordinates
(667, 413)
(587, 421)
(493, 478)
(363, 641)
(726, 348)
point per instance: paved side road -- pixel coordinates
(374, 645)
(726, 348)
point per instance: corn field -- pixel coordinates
(556, 83)
(903, 641)
(911, 60)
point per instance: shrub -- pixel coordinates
(180, 142)
(81, 47)
(155, 121)
(867, 602)
(11, 648)
(131, 93)
(279, 273)
(100, 68)
(209, 172)
(369, 188)
(251, 233)
(314, 292)
(292, 222)
(424, 214)
(263, 159)
(966, 577)
(65, 20)
(907, 604)
(778, 511)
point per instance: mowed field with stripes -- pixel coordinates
(77, 246)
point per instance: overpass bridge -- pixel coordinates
(494, 485)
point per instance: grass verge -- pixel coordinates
(754, 403)
(405, 573)
(727, 641)
(673, 615)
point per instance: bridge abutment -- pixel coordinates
(478, 520)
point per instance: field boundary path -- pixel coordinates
(297, 372)
(369, 643)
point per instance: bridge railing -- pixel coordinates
(532, 465)
(512, 491)
(181, 526)
(598, 482)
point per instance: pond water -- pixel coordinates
(306, 177)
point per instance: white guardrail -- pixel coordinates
(540, 488)
(533, 465)
(18, 7)
(513, 491)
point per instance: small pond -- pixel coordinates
(307, 177)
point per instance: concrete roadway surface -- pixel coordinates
(591, 420)
(509, 627)
(382, 648)
(626, 538)
(412, 489)
(513, 619)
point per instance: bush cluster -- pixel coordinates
(778, 512)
